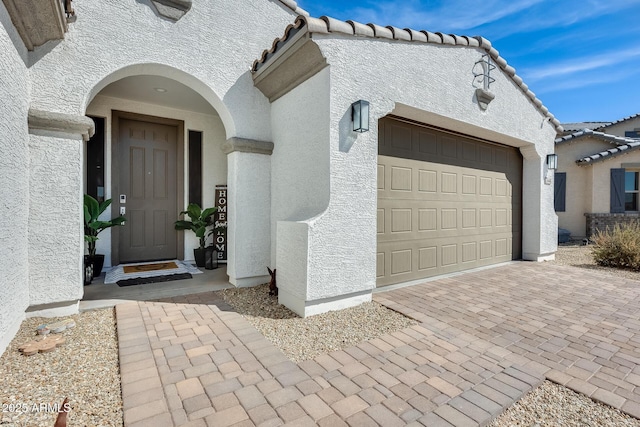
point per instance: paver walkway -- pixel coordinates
(485, 339)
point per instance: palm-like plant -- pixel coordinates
(198, 221)
(92, 225)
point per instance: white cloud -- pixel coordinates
(581, 65)
(497, 18)
(585, 81)
(453, 15)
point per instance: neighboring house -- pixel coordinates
(597, 180)
(450, 176)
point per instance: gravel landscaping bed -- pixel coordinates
(303, 339)
(84, 369)
(554, 405)
(578, 255)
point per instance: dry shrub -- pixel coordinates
(618, 247)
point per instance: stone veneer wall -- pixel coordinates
(602, 221)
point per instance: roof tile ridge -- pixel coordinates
(380, 31)
(360, 29)
(614, 139)
(447, 39)
(608, 152)
(276, 42)
(315, 25)
(293, 5)
(432, 37)
(338, 26)
(624, 119)
(399, 33)
(326, 25)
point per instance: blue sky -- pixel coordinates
(581, 58)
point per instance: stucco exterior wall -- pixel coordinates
(620, 128)
(211, 49)
(602, 178)
(300, 161)
(14, 180)
(579, 195)
(249, 212)
(55, 252)
(434, 85)
(431, 84)
(588, 186)
(428, 83)
(214, 161)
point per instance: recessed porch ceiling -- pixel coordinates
(147, 89)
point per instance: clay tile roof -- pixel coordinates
(381, 32)
(400, 34)
(327, 25)
(572, 127)
(617, 140)
(291, 4)
(618, 121)
(621, 145)
(604, 155)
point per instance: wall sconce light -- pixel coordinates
(360, 116)
(482, 75)
(552, 161)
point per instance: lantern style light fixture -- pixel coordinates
(360, 116)
(552, 161)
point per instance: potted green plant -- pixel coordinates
(198, 222)
(93, 226)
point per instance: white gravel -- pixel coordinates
(554, 405)
(303, 339)
(84, 369)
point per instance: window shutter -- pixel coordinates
(560, 191)
(617, 190)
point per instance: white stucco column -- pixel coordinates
(248, 210)
(539, 220)
(56, 233)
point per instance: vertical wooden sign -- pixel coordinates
(220, 220)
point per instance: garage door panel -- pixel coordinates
(408, 261)
(381, 183)
(446, 203)
(431, 223)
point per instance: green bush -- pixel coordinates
(619, 247)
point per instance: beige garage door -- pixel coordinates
(446, 202)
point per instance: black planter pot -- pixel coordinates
(199, 256)
(98, 262)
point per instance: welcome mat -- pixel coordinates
(147, 270)
(154, 279)
(142, 268)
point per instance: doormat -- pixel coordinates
(142, 268)
(154, 279)
(118, 273)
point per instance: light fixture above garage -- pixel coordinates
(552, 161)
(482, 74)
(360, 116)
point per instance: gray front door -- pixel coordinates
(148, 178)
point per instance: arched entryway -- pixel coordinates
(156, 149)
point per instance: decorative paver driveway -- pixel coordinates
(485, 339)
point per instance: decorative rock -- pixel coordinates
(41, 346)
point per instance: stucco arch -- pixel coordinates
(162, 70)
